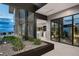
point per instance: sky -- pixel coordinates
(68, 20)
(4, 13)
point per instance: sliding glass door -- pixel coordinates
(52, 31)
(55, 30)
(76, 30)
(67, 30)
(62, 30)
(56, 33)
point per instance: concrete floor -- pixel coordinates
(62, 50)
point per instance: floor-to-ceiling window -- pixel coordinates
(55, 30)
(76, 30)
(52, 30)
(56, 34)
(67, 30)
(31, 25)
(26, 24)
(22, 22)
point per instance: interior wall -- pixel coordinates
(48, 33)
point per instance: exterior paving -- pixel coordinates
(62, 49)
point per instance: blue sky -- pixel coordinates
(4, 13)
(68, 20)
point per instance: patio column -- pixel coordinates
(48, 35)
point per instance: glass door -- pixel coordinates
(76, 30)
(55, 30)
(66, 36)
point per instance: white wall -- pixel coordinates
(48, 36)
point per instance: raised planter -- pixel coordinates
(37, 51)
(29, 50)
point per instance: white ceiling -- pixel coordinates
(52, 8)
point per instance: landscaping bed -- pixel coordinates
(15, 46)
(6, 49)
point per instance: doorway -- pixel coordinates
(61, 30)
(55, 30)
(41, 29)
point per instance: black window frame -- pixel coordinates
(72, 29)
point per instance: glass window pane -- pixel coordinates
(76, 30)
(31, 25)
(67, 30)
(22, 22)
(55, 30)
(67, 20)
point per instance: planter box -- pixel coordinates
(29, 50)
(37, 51)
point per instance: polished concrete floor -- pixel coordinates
(62, 49)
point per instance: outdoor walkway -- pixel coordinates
(62, 50)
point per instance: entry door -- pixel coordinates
(55, 30)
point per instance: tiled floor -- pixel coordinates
(62, 50)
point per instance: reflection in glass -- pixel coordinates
(56, 34)
(22, 22)
(31, 25)
(67, 30)
(52, 30)
(55, 30)
(76, 29)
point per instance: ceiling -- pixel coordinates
(52, 8)
(28, 6)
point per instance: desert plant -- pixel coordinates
(37, 41)
(15, 41)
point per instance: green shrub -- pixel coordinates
(15, 41)
(31, 39)
(34, 40)
(0, 38)
(37, 41)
